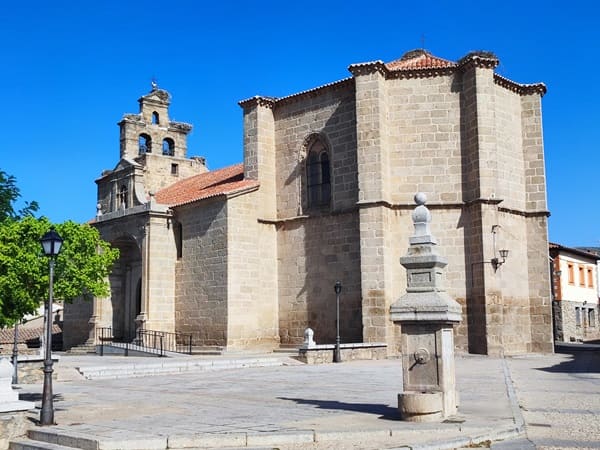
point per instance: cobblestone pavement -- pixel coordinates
(351, 405)
(559, 396)
(352, 402)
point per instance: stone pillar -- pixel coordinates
(373, 162)
(259, 152)
(427, 315)
(92, 323)
(142, 317)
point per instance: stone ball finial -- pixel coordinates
(421, 218)
(421, 214)
(420, 198)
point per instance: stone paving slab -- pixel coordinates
(559, 396)
(303, 407)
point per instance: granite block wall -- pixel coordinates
(252, 282)
(201, 274)
(314, 253)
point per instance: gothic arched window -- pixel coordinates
(168, 147)
(155, 118)
(145, 144)
(318, 176)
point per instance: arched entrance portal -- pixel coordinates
(126, 288)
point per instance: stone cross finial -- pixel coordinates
(421, 219)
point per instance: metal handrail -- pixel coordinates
(170, 342)
(157, 342)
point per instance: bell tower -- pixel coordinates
(151, 131)
(153, 155)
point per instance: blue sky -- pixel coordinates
(70, 70)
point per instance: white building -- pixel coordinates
(575, 293)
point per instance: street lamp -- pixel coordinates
(51, 244)
(496, 262)
(15, 355)
(337, 357)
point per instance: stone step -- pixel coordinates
(30, 444)
(57, 438)
(291, 350)
(207, 350)
(61, 438)
(82, 350)
(289, 346)
(174, 366)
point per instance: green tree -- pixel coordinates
(81, 269)
(9, 194)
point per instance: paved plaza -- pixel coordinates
(534, 401)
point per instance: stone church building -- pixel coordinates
(247, 256)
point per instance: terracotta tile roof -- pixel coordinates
(577, 251)
(228, 180)
(7, 335)
(419, 59)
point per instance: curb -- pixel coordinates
(269, 439)
(512, 398)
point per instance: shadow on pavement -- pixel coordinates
(579, 362)
(384, 411)
(37, 397)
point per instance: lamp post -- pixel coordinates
(51, 244)
(15, 355)
(337, 357)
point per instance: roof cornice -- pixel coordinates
(368, 68)
(257, 100)
(180, 126)
(413, 72)
(473, 60)
(131, 118)
(334, 85)
(272, 102)
(576, 251)
(164, 98)
(478, 60)
(521, 89)
(420, 73)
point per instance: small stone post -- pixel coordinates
(427, 315)
(9, 398)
